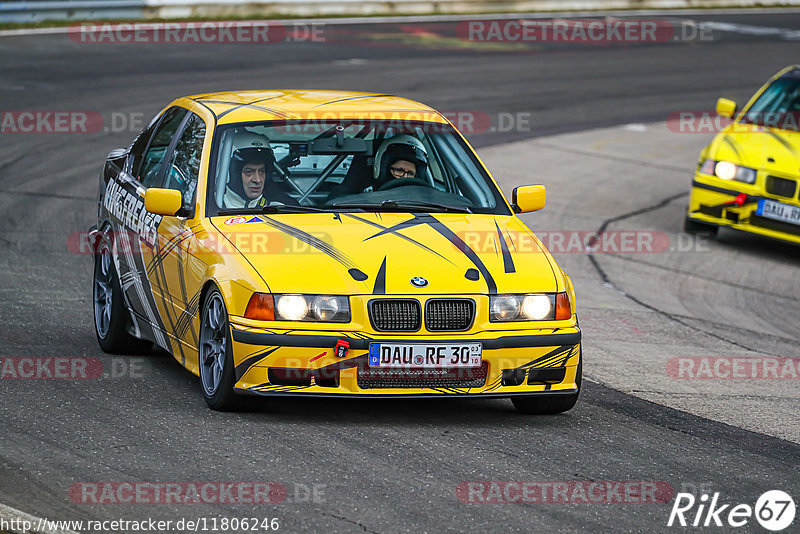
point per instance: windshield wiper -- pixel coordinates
(290, 208)
(407, 205)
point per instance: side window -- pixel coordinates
(184, 167)
(151, 163)
(139, 146)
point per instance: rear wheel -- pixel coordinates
(110, 315)
(537, 405)
(216, 360)
(690, 226)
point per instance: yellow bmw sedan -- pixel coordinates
(747, 177)
(328, 243)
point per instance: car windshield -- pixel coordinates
(283, 166)
(778, 106)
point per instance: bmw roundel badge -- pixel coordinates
(418, 281)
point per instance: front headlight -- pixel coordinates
(531, 307)
(322, 308)
(727, 170)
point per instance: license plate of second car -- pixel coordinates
(424, 355)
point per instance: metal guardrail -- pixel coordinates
(41, 10)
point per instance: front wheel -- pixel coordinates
(536, 405)
(216, 361)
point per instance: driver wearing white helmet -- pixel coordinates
(400, 157)
(249, 173)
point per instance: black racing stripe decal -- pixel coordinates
(396, 233)
(555, 358)
(357, 334)
(508, 261)
(185, 320)
(327, 342)
(786, 144)
(380, 280)
(311, 240)
(200, 102)
(239, 105)
(274, 111)
(267, 387)
(161, 253)
(552, 355)
(349, 98)
(733, 146)
(440, 227)
(243, 367)
(397, 227)
(357, 275)
(166, 297)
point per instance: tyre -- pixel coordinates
(215, 353)
(111, 318)
(690, 226)
(538, 405)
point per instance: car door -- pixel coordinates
(135, 229)
(176, 275)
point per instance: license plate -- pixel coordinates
(426, 356)
(777, 211)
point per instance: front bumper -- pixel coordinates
(714, 203)
(521, 362)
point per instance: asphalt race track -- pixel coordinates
(585, 120)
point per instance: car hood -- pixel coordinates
(759, 147)
(381, 253)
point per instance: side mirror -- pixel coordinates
(726, 108)
(528, 198)
(163, 201)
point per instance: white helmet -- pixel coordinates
(403, 146)
(248, 147)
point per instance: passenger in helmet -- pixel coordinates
(400, 157)
(249, 174)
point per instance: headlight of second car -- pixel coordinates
(530, 307)
(728, 171)
(295, 307)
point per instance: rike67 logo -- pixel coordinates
(774, 511)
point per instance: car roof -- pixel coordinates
(247, 106)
